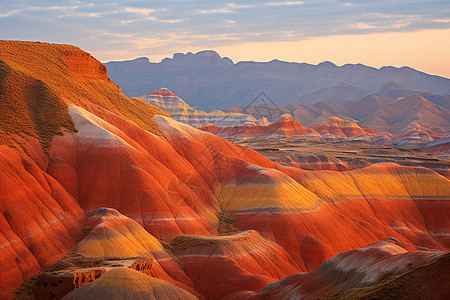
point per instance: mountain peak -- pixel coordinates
(208, 53)
(327, 63)
(164, 92)
(285, 118)
(203, 58)
(394, 90)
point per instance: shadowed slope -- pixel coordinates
(362, 267)
(29, 107)
(428, 281)
(71, 74)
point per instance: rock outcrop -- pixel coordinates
(283, 126)
(247, 260)
(125, 283)
(182, 112)
(364, 267)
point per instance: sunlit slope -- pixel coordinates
(115, 236)
(116, 164)
(125, 283)
(66, 73)
(346, 209)
(163, 179)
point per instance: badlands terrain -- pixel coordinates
(103, 196)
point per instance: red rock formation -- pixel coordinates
(340, 128)
(39, 220)
(440, 147)
(173, 179)
(362, 267)
(209, 128)
(286, 126)
(226, 266)
(112, 235)
(283, 126)
(178, 109)
(125, 283)
(110, 170)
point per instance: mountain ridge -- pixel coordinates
(208, 81)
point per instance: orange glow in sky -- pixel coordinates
(424, 50)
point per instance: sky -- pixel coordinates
(376, 33)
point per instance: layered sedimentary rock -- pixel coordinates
(364, 267)
(283, 126)
(113, 235)
(182, 112)
(162, 179)
(335, 127)
(416, 135)
(247, 260)
(440, 147)
(125, 283)
(39, 221)
(110, 168)
(383, 200)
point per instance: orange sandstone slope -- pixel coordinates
(41, 218)
(331, 211)
(115, 236)
(66, 73)
(172, 179)
(107, 152)
(125, 283)
(232, 265)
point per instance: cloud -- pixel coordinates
(9, 13)
(284, 3)
(442, 20)
(176, 25)
(214, 11)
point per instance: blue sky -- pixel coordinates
(114, 30)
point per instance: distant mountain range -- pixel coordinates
(208, 81)
(409, 120)
(393, 108)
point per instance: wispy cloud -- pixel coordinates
(10, 13)
(442, 20)
(214, 11)
(284, 3)
(178, 24)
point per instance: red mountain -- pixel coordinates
(72, 143)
